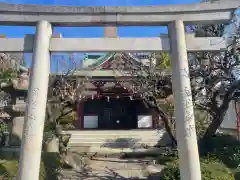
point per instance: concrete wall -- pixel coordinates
(230, 117)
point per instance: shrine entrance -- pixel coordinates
(116, 114)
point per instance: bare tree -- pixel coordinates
(150, 84)
(215, 77)
(64, 94)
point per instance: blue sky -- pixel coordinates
(92, 31)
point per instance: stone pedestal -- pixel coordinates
(16, 132)
(52, 145)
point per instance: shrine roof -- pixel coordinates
(97, 61)
(100, 60)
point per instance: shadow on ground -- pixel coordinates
(107, 174)
(120, 143)
(164, 141)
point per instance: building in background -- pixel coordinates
(231, 122)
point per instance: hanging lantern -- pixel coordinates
(117, 97)
(108, 98)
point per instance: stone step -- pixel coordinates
(114, 142)
(106, 142)
(115, 139)
(116, 152)
(114, 132)
(109, 136)
(99, 136)
(113, 146)
(104, 136)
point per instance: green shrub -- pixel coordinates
(9, 170)
(3, 127)
(50, 163)
(223, 147)
(211, 169)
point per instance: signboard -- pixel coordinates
(144, 121)
(90, 122)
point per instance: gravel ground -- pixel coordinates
(113, 168)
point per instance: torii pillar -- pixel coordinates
(185, 121)
(31, 147)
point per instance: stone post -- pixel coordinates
(31, 146)
(185, 122)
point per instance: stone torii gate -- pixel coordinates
(174, 16)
